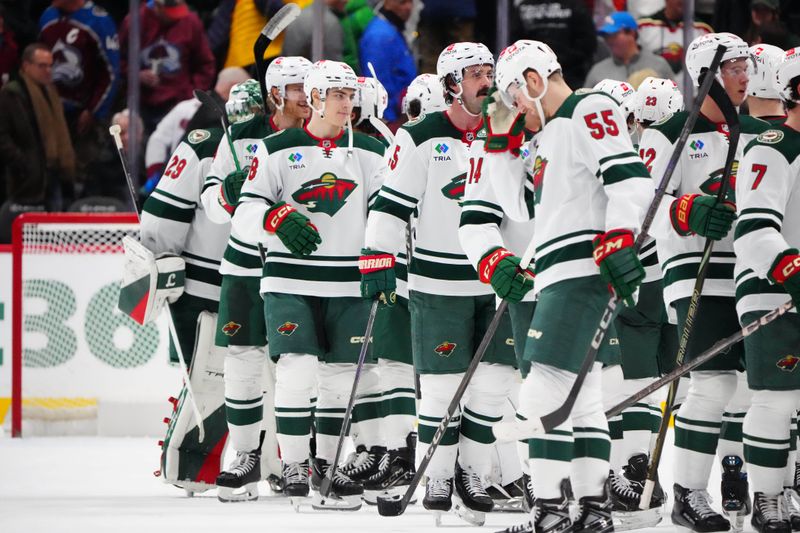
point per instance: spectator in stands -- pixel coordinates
(765, 23)
(297, 42)
(384, 46)
(441, 23)
(565, 25)
(34, 138)
(175, 57)
(9, 52)
(236, 26)
(621, 35)
(358, 15)
(167, 135)
(662, 33)
(85, 47)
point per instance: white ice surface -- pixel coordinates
(106, 485)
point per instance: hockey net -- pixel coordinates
(76, 359)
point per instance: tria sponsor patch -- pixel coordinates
(287, 328)
(326, 194)
(788, 363)
(231, 328)
(445, 349)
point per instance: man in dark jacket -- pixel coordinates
(34, 140)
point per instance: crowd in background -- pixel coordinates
(64, 67)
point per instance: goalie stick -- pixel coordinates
(115, 130)
(396, 505)
(525, 429)
(720, 97)
(269, 33)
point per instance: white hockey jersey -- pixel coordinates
(168, 133)
(699, 170)
(587, 179)
(241, 258)
(768, 204)
(334, 190)
(173, 218)
(428, 166)
(483, 224)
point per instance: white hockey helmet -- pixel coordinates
(512, 64)
(286, 70)
(787, 70)
(622, 91)
(244, 101)
(766, 59)
(324, 75)
(428, 91)
(458, 56)
(701, 52)
(657, 99)
(371, 97)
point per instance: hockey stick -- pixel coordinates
(327, 481)
(377, 123)
(720, 97)
(269, 33)
(114, 130)
(396, 505)
(525, 429)
(718, 348)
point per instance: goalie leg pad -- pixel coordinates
(185, 461)
(149, 282)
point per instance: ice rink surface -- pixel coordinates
(106, 485)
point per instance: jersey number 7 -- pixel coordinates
(598, 131)
(760, 170)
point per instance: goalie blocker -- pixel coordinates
(149, 282)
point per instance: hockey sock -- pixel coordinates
(437, 391)
(766, 438)
(295, 380)
(730, 436)
(640, 421)
(244, 396)
(788, 473)
(398, 407)
(697, 426)
(335, 386)
(613, 393)
(366, 421)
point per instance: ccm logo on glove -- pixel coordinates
(490, 262)
(275, 218)
(612, 244)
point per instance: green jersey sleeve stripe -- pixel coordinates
(434, 270)
(390, 207)
(698, 255)
(240, 259)
(443, 255)
(178, 199)
(570, 252)
(333, 258)
(482, 203)
(405, 197)
(618, 173)
(207, 185)
(243, 244)
(689, 271)
(761, 211)
(160, 209)
(478, 217)
(605, 160)
(743, 227)
(569, 236)
(254, 195)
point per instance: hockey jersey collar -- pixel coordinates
(322, 142)
(467, 136)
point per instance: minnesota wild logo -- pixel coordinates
(539, 166)
(712, 184)
(455, 189)
(326, 194)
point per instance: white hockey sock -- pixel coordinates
(398, 408)
(244, 401)
(295, 381)
(437, 391)
(730, 436)
(366, 422)
(766, 437)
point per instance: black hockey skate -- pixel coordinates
(548, 516)
(734, 488)
(394, 475)
(509, 498)
(345, 494)
(438, 497)
(244, 473)
(295, 482)
(626, 493)
(768, 516)
(692, 511)
(365, 464)
(791, 507)
(527, 483)
(472, 502)
(595, 515)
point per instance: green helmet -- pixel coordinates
(244, 102)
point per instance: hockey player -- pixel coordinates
(767, 269)
(587, 211)
(241, 322)
(689, 214)
(450, 307)
(300, 179)
(763, 99)
(174, 221)
(424, 95)
(625, 94)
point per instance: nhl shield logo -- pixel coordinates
(287, 328)
(231, 328)
(445, 349)
(788, 363)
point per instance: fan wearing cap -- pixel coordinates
(590, 191)
(306, 197)
(662, 33)
(688, 215)
(621, 34)
(768, 274)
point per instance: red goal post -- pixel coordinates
(78, 364)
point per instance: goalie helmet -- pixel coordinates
(458, 56)
(657, 99)
(766, 59)
(428, 91)
(286, 70)
(371, 97)
(788, 70)
(516, 59)
(324, 75)
(244, 102)
(701, 52)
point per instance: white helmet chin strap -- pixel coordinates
(321, 110)
(537, 102)
(457, 96)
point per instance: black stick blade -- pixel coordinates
(391, 506)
